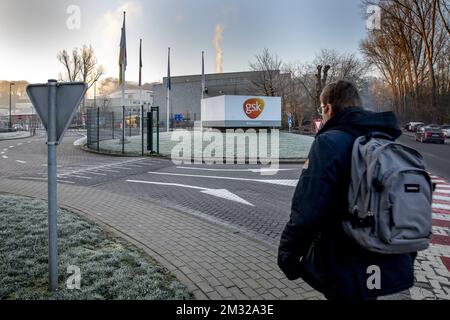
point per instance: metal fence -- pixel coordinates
(123, 131)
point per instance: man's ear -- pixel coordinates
(330, 111)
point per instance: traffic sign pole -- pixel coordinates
(56, 105)
(52, 219)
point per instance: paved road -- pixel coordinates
(437, 156)
(238, 195)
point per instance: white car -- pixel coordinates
(446, 131)
(412, 126)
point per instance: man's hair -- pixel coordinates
(341, 95)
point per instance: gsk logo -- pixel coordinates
(253, 107)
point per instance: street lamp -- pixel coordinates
(10, 115)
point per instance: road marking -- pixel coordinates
(438, 216)
(33, 178)
(73, 176)
(20, 161)
(5, 157)
(107, 170)
(440, 239)
(446, 262)
(19, 144)
(64, 181)
(261, 170)
(220, 193)
(441, 206)
(435, 197)
(441, 223)
(11, 146)
(96, 173)
(282, 182)
(3, 152)
(102, 167)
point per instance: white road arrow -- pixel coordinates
(220, 193)
(281, 182)
(238, 170)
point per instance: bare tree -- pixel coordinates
(71, 63)
(268, 68)
(90, 71)
(81, 65)
(409, 50)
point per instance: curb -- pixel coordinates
(18, 138)
(128, 155)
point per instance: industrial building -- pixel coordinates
(185, 104)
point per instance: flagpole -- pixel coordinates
(168, 93)
(168, 109)
(123, 67)
(203, 74)
(140, 83)
(203, 88)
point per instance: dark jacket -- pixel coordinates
(337, 267)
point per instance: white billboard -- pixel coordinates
(241, 112)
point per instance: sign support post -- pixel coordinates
(56, 105)
(52, 219)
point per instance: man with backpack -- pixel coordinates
(362, 207)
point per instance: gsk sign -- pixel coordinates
(254, 107)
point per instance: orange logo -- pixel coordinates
(253, 107)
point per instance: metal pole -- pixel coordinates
(95, 93)
(130, 122)
(98, 129)
(52, 220)
(157, 130)
(123, 129)
(142, 129)
(10, 102)
(151, 131)
(148, 131)
(113, 124)
(168, 110)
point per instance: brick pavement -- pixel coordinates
(213, 261)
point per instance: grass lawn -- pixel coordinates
(291, 146)
(110, 268)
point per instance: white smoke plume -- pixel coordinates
(219, 51)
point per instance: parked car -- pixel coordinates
(412, 126)
(446, 130)
(430, 133)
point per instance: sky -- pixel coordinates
(32, 32)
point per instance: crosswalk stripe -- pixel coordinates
(441, 206)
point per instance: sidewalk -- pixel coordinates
(214, 262)
(14, 135)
